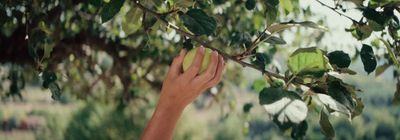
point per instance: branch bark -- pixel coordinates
(205, 44)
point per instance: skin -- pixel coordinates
(179, 90)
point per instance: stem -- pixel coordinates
(206, 44)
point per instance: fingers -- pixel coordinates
(195, 66)
(217, 78)
(176, 66)
(210, 72)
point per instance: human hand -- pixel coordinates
(181, 88)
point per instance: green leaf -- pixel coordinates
(326, 126)
(332, 104)
(131, 22)
(110, 9)
(286, 25)
(359, 108)
(380, 69)
(279, 27)
(312, 25)
(287, 5)
(360, 31)
(259, 84)
(299, 130)
(341, 93)
(368, 58)
(271, 11)
(339, 58)
(285, 105)
(250, 4)
(247, 107)
(275, 40)
(241, 39)
(198, 22)
(308, 61)
(55, 91)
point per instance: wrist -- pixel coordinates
(170, 106)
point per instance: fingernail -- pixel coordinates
(201, 48)
(216, 53)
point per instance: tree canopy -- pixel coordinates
(73, 45)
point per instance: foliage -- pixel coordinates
(126, 45)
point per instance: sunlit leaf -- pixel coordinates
(308, 61)
(287, 5)
(132, 20)
(287, 106)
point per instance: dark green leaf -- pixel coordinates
(241, 39)
(270, 95)
(48, 78)
(198, 22)
(339, 58)
(247, 107)
(111, 9)
(299, 130)
(187, 44)
(250, 4)
(55, 91)
(326, 126)
(372, 14)
(338, 91)
(368, 58)
(271, 10)
(261, 60)
(96, 3)
(282, 125)
(149, 21)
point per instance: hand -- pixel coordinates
(181, 88)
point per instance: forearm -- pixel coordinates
(162, 124)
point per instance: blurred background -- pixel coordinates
(104, 78)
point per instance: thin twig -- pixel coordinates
(334, 9)
(205, 44)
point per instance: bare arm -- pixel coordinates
(180, 89)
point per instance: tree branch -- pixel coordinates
(205, 44)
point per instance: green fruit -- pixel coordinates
(187, 61)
